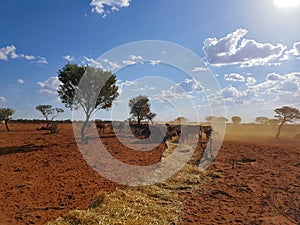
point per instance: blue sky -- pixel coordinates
(252, 47)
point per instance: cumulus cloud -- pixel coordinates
(235, 77)
(42, 61)
(109, 65)
(133, 59)
(105, 7)
(10, 52)
(154, 62)
(274, 77)
(234, 49)
(279, 85)
(231, 92)
(92, 62)
(69, 58)
(186, 89)
(49, 86)
(20, 81)
(251, 81)
(123, 84)
(295, 51)
(2, 99)
(190, 86)
(199, 69)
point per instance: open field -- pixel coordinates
(254, 179)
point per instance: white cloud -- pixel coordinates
(10, 52)
(49, 86)
(20, 81)
(136, 57)
(154, 62)
(234, 49)
(129, 62)
(186, 89)
(92, 62)
(2, 99)
(28, 57)
(199, 69)
(251, 81)
(276, 84)
(105, 7)
(133, 59)
(234, 77)
(123, 84)
(41, 60)
(295, 51)
(69, 58)
(274, 77)
(231, 92)
(296, 48)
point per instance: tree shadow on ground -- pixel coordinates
(24, 148)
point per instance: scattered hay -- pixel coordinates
(158, 204)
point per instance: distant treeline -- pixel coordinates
(56, 121)
(37, 121)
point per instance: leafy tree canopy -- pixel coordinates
(6, 115)
(286, 114)
(48, 112)
(236, 119)
(140, 109)
(262, 119)
(88, 88)
(220, 119)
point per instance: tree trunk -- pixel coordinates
(6, 125)
(47, 121)
(139, 121)
(279, 128)
(83, 127)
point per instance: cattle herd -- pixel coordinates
(158, 132)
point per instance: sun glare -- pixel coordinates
(287, 3)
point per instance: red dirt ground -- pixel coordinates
(43, 176)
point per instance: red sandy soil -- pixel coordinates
(43, 176)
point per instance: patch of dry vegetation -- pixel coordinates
(157, 204)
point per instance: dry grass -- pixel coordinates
(157, 204)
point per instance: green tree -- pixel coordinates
(140, 109)
(88, 88)
(286, 114)
(48, 112)
(6, 115)
(222, 119)
(273, 121)
(262, 120)
(236, 119)
(181, 120)
(216, 119)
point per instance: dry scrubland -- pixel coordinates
(262, 133)
(254, 180)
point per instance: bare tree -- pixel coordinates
(286, 114)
